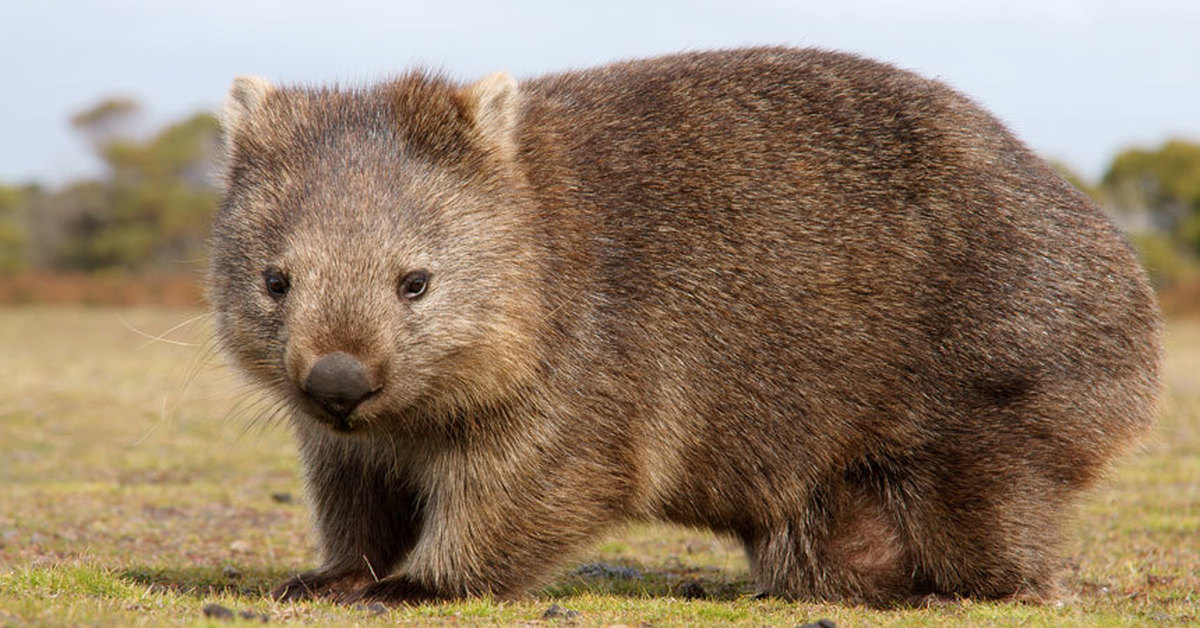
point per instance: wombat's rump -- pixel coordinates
(811, 301)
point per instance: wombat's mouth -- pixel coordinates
(342, 423)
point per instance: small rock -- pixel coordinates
(251, 616)
(283, 498)
(690, 590)
(820, 623)
(216, 611)
(375, 608)
(231, 572)
(557, 612)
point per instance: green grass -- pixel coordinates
(136, 490)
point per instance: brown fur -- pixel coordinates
(811, 301)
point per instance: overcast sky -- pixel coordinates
(1077, 79)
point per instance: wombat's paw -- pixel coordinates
(391, 591)
(318, 583)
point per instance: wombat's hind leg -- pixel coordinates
(846, 547)
(984, 528)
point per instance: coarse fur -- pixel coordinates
(825, 306)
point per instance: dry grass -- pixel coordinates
(136, 491)
(178, 290)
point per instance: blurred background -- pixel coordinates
(109, 145)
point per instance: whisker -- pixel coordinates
(161, 337)
(162, 418)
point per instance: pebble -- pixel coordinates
(375, 608)
(222, 613)
(557, 612)
(216, 611)
(251, 616)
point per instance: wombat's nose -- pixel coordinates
(338, 381)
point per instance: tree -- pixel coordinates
(154, 206)
(13, 236)
(1165, 182)
(162, 195)
(108, 120)
(1164, 185)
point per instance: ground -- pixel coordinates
(138, 490)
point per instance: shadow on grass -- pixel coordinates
(205, 582)
(622, 580)
(632, 580)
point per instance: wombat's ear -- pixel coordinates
(495, 101)
(245, 95)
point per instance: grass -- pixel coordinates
(136, 491)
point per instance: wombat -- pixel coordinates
(810, 301)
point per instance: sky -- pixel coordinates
(1078, 80)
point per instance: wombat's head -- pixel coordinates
(372, 260)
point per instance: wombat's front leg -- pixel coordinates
(498, 533)
(366, 521)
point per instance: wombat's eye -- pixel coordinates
(276, 282)
(413, 285)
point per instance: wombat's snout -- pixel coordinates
(338, 382)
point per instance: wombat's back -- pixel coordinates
(816, 268)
